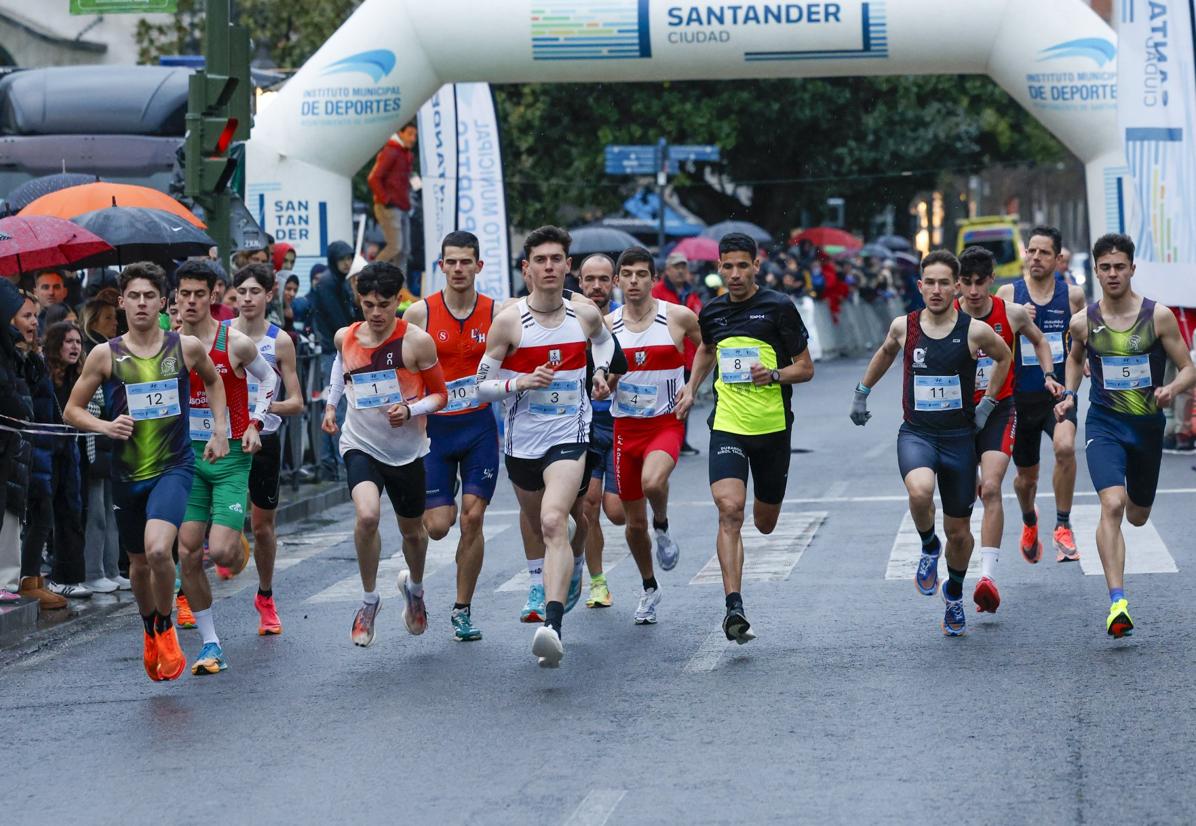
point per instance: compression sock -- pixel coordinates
(1030, 519)
(650, 584)
(206, 625)
(148, 621)
(953, 588)
(1062, 519)
(988, 561)
(930, 541)
(265, 593)
(460, 606)
(1116, 594)
(661, 526)
(734, 600)
(554, 612)
(535, 568)
(162, 624)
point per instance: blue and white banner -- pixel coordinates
(1156, 117)
(463, 183)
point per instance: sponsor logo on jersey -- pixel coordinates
(169, 366)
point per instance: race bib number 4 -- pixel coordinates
(984, 370)
(462, 394)
(635, 399)
(937, 393)
(561, 398)
(1030, 356)
(153, 399)
(202, 425)
(1126, 372)
(377, 389)
(735, 364)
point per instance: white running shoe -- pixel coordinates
(123, 583)
(103, 585)
(645, 612)
(68, 591)
(547, 647)
(667, 551)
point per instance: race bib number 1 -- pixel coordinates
(462, 394)
(153, 399)
(1126, 372)
(937, 393)
(377, 389)
(735, 364)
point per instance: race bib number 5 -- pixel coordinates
(735, 364)
(1126, 372)
(153, 399)
(937, 393)
(377, 389)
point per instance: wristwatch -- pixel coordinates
(1051, 375)
(775, 375)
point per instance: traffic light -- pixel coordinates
(210, 132)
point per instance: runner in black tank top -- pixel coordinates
(939, 346)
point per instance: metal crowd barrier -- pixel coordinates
(859, 330)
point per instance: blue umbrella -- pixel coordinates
(754, 231)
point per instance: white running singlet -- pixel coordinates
(655, 368)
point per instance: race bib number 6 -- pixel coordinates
(377, 389)
(153, 399)
(937, 393)
(735, 364)
(202, 424)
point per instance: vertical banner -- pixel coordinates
(438, 171)
(1156, 116)
(481, 199)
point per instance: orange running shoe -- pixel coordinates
(269, 624)
(986, 596)
(184, 618)
(149, 656)
(1030, 546)
(229, 573)
(171, 660)
(1065, 544)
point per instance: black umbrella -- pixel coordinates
(600, 239)
(894, 242)
(141, 234)
(754, 231)
(28, 192)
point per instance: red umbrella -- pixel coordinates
(38, 242)
(697, 248)
(827, 237)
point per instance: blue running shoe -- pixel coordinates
(955, 621)
(534, 610)
(927, 576)
(463, 628)
(210, 660)
(574, 589)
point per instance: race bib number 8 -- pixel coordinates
(561, 398)
(1030, 356)
(376, 389)
(462, 394)
(153, 399)
(202, 424)
(937, 393)
(984, 369)
(635, 399)
(1126, 372)
(735, 364)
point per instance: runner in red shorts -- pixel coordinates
(648, 431)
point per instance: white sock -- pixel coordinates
(416, 588)
(370, 597)
(535, 567)
(988, 562)
(206, 625)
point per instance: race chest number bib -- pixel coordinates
(1030, 356)
(377, 389)
(153, 399)
(202, 424)
(635, 399)
(1125, 372)
(462, 394)
(561, 398)
(937, 393)
(735, 364)
(984, 370)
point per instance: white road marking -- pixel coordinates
(614, 551)
(1145, 551)
(838, 488)
(596, 808)
(907, 548)
(708, 653)
(769, 558)
(292, 550)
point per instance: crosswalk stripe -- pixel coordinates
(907, 548)
(1145, 550)
(614, 551)
(441, 553)
(708, 653)
(596, 808)
(769, 558)
(292, 550)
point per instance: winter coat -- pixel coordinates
(390, 178)
(15, 403)
(332, 302)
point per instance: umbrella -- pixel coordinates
(756, 232)
(28, 192)
(39, 242)
(828, 237)
(894, 242)
(907, 258)
(698, 248)
(876, 251)
(76, 200)
(140, 234)
(600, 239)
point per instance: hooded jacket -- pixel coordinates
(390, 177)
(281, 248)
(15, 403)
(332, 304)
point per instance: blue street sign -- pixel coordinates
(631, 160)
(700, 152)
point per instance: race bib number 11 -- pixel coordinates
(937, 393)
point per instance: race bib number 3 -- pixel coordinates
(1126, 372)
(635, 399)
(153, 399)
(377, 389)
(462, 394)
(984, 369)
(202, 424)
(937, 393)
(561, 398)
(735, 364)
(1030, 356)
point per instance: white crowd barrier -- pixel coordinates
(859, 330)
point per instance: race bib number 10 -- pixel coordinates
(462, 394)
(153, 399)
(377, 389)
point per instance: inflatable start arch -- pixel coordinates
(1057, 58)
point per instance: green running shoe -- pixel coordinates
(463, 628)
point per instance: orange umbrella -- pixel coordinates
(76, 200)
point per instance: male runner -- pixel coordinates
(648, 431)
(464, 434)
(145, 378)
(255, 286)
(218, 491)
(536, 360)
(941, 347)
(389, 371)
(597, 278)
(994, 443)
(758, 342)
(1051, 303)
(1128, 339)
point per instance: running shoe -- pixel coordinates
(926, 578)
(645, 612)
(149, 655)
(210, 660)
(1118, 624)
(534, 610)
(667, 552)
(184, 619)
(986, 596)
(362, 632)
(122, 583)
(599, 595)
(737, 627)
(955, 621)
(8, 597)
(547, 647)
(1065, 544)
(574, 589)
(171, 660)
(463, 628)
(1030, 546)
(415, 615)
(268, 623)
